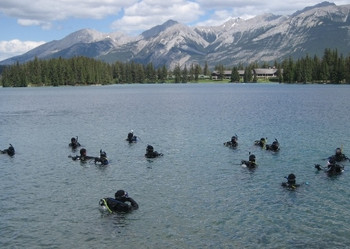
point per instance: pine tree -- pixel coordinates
(184, 78)
(177, 74)
(235, 75)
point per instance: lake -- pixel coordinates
(197, 195)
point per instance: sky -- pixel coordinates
(26, 24)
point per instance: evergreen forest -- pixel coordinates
(331, 68)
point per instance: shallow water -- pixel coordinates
(197, 195)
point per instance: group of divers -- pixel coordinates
(333, 167)
(123, 203)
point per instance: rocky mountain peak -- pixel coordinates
(265, 38)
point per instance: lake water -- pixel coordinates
(196, 195)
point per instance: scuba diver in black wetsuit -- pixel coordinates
(74, 143)
(233, 143)
(275, 146)
(261, 142)
(151, 153)
(102, 159)
(291, 183)
(131, 138)
(83, 157)
(9, 151)
(338, 156)
(119, 203)
(251, 163)
(333, 168)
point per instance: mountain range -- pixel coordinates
(264, 38)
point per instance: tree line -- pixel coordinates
(331, 68)
(87, 71)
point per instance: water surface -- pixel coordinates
(197, 195)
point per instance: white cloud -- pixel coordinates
(135, 16)
(42, 12)
(149, 13)
(16, 47)
(143, 12)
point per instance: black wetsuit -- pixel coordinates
(290, 185)
(150, 153)
(102, 160)
(9, 151)
(338, 157)
(249, 164)
(84, 158)
(131, 138)
(233, 143)
(153, 154)
(291, 182)
(74, 145)
(334, 168)
(119, 205)
(260, 142)
(274, 146)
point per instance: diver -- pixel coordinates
(83, 157)
(151, 153)
(338, 156)
(333, 168)
(291, 182)
(233, 143)
(119, 203)
(261, 142)
(275, 146)
(251, 163)
(74, 143)
(131, 137)
(9, 151)
(102, 159)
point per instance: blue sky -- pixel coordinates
(26, 24)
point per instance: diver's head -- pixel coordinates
(73, 140)
(83, 152)
(337, 151)
(103, 154)
(291, 178)
(149, 148)
(234, 139)
(252, 158)
(120, 194)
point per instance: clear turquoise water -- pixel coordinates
(197, 195)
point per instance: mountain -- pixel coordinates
(265, 38)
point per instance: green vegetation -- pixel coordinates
(332, 68)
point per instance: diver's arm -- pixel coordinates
(133, 204)
(158, 154)
(90, 157)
